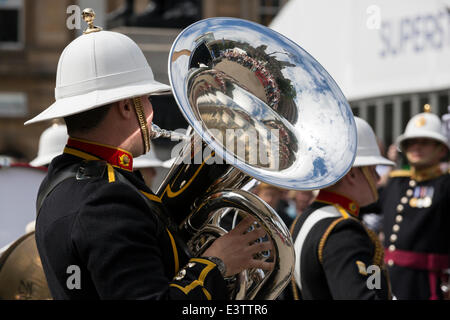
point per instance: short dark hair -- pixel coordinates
(86, 121)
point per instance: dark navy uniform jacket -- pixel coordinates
(416, 225)
(116, 238)
(339, 257)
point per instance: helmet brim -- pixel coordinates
(426, 135)
(43, 160)
(80, 103)
(372, 161)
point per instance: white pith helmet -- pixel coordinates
(367, 151)
(51, 144)
(150, 160)
(96, 69)
(424, 125)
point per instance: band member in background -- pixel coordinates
(51, 144)
(273, 196)
(96, 218)
(337, 257)
(416, 206)
(302, 199)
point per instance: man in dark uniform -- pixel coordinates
(416, 208)
(337, 257)
(100, 231)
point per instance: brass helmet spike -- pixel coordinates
(427, 108)
(89, 15)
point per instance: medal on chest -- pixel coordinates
(422, 197)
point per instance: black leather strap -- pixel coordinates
(49, 185)
(80, 171)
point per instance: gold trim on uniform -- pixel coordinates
(151, 196)
(80, 154)
(361, 267)
(399, 173)
(378, 257)
(209, 266)
(111, 175)
(324, 238)
(175, 252)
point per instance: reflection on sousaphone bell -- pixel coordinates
(21, 273)
(260, 108)
(231, 74)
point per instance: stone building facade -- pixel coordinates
(33, 34)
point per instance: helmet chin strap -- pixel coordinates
(369, 177)
(142, 123)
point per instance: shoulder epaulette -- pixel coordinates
(400, 173)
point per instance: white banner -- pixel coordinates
(374, 47)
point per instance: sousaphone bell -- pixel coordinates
(260, 107)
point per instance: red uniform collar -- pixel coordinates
(94, 151)
(334, 198)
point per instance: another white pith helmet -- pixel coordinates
(424, 125)
(367, 151)
(51, 144)
(97, 69)
(150, 160)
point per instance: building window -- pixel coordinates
(444, 103)
(371, 118)
(406, 113)
(13, 104)
(268, 9)
(388, 124)
(11, 24)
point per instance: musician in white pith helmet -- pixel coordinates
(415, 205)
(336, 255)
(95, 213)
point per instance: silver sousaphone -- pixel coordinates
(260, 108)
